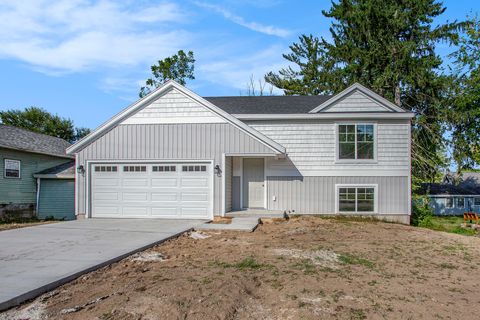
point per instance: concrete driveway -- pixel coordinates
(37, 259)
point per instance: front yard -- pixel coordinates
(304, 268)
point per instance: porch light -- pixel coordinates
(218, 171)
(80, 169)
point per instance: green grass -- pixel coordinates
(246, 264)
(355, 260)
(450, 224)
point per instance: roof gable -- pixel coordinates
(196, 102)
(28, 141)
(357, 98)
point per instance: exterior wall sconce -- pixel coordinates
(218, 171)
(81, 169)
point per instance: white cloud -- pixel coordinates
(77, 35)
(255, 26)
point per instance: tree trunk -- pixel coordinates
(397, 95)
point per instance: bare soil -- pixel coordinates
(17, 225)
(304, 268)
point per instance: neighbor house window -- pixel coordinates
(448, 202)
(356, 141)
(476, 202)
(460, 202)
(12, 168)
(356, 199)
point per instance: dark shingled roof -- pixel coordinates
(24, 140)
(64, 169)
(268, 104)
(438, 189)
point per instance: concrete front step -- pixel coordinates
(248, 224)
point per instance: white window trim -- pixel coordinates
(337, 143)
(359, 185)
(5, 168)
(446, 201)
(456, 202)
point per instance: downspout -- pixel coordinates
(38, 196)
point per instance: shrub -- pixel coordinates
(422, 213)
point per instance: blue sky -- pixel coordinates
(86, 60)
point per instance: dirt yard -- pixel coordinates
(17, 225)
(304, 268)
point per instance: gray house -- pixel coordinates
(24, 154)
(449, 198)
(174, 154)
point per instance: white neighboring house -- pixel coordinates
(174, 154)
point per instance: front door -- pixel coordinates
(253, 183)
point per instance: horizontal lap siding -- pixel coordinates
(56, 199)
(311, 147)
(355, 102)
(317, 194)
(169, 141)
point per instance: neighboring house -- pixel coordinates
(174, 154)
(448, 198)
(23, 154)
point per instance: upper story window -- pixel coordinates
(356, 142)
(11, 168)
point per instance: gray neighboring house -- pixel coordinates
(174, 154)
(448, 198)
(24, 154)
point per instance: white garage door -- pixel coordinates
(151, 190)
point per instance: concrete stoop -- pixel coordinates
(248, 224)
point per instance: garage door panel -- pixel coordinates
(164, 182)
(135, 196)
(135, 182)
(194, 182)
(159, 197)
(154, 191)
(165, 212)
(106, 182)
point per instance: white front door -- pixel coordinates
(253, 183)
(151, 190)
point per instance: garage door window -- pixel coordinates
(194, 168)
(134, 169)
(105, 168)
(164, 168)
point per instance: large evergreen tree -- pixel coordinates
(388, 46)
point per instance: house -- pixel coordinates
(174, 154)
(450, 198)
(23, 154)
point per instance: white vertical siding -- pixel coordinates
(169, 141)
(228, 183)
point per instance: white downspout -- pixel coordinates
(38, 195)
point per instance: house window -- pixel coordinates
(105, 168)
(134, 168)
(194, 168)
(460, 202)
(11, 168)
(476, 202)
(164, 168)
(356, 199)
(448, 202)
(356, 141)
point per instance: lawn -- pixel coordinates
(304, 268)
(450, 224)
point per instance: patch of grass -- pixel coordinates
(246, 264)
(355, 260)
(446, 265)
(306, 266)
(450, 224)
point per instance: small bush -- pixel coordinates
(422, 213)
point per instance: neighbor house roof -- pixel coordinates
(445, 189)
(268, 104)
(24, 140)
(64, 170)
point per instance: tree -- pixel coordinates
(41, 121)
(178, 67)
(389, 46)
(465, 99)
(309, 78)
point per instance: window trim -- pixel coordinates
(356, 185)
(337, 142)
(5, 168)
